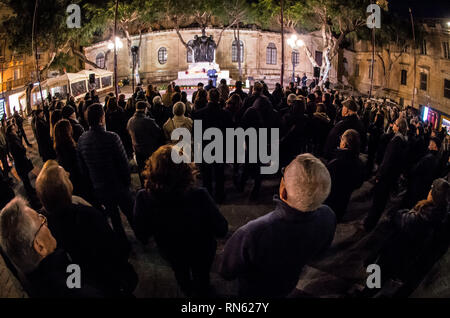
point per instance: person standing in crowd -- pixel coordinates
(55, 116)
(19, 124)
(28, 242)
(116, 121)
(103, 160)
(388, 173)
(150, 93)
(146, 136)
(68, 112)
(97, 251)
(201, 100)
(350, 121)
(214, 116)
(4, 153)
(223, 89)
(423, 173)
(183, 219)
(43, 138)
(243, 95)
(66, 154)
(210, 85)
(167, 96)
(178, 121)
(199, 88)
(159, 112)
(267, 254)
(189, 105)
(304, 80)
(375, 132)
(319, 128)
(22, 164)
(346, 172)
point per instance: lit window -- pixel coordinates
(162, 55)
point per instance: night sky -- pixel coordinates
(422, 8)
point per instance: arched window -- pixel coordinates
(162, 55)
(100, 60)
(295, 57)
(189, 58)
(234, 51)
(271, 54)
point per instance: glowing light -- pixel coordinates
(425, 114)
(119, 44)
(300, 43)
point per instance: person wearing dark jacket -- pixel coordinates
(388, 173)
(413, 233)
(68, 112)
(243, 95)
(19, 124)
(423, 173)
(347, 173)
(116, 121)
(277, 96)
(350, 121)
(319, 128)
(97, 251)
(145, 134)
(213, 116)
(259, 115)
(22, 164)
(30, 245)
(43, 137)
(159, 112)
(267, 255)
(102, 159)
(375, 132)
(182, 218)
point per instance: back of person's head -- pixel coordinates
(53, 187)
(437, 142)
(169, 89)
(63, 135)
(157, 100)
(177, 89)
(210, 82)
(213, 95)
(257, 88)
(183, 96)
(121, 97)
(351, 140)
(311, 97)
(179, 108)
(164, 177)
(56, 116)
(200, 85)
(291, 98)
(320, 108)
(223, 81)
(176, 98)
(149, 90)
(238, 84)
(112, 104)
(67, 111)
(202, 96)
(18, 230)
(440, 190)
(95, 115)
(307, 182)
(141, 105)
(402, 125)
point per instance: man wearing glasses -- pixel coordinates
(31, 247)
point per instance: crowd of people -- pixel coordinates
(329, 146)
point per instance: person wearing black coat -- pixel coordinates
(68, 112)
(19, 124)
(43, 137)
(423, 173)
(375, 132)
(350, 121)
(84, 233)
(22, 164)
(116, 121)
(102, 159)
(347, 173)
(388, 173)
(213, 116)
(183, 219)
(319, 128)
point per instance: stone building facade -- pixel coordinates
(162, 55)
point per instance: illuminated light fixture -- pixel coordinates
(425, 114)
(448, 24)
(119, 44)
(300, 43)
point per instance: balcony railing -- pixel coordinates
(12, 84)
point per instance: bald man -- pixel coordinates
(267, 254)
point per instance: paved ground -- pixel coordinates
(338, 272)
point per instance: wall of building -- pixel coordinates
(254, 63)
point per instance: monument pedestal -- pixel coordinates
(198, 73)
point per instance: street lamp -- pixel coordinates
(119, 44)
(294, 42)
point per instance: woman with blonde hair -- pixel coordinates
(178, 121)
(167, 96)
(183, 219)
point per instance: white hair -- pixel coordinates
(308, 182)
(157, 100)
(291, 97)
(17, 232)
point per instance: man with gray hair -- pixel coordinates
(30, 246)
(267, 254)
